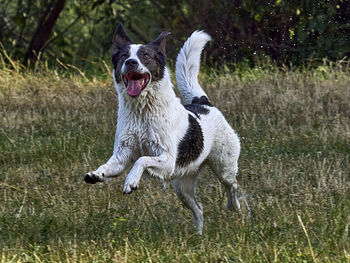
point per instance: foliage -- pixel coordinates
(285, 31)
(294, 173)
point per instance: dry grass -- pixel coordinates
(294, 174)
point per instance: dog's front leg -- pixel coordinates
(119, 161)
(160, 163)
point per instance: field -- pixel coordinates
(294, 173)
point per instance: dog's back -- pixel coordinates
(221, 147)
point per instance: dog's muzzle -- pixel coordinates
(135, 82)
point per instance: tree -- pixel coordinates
(43, 31)
(242, 30)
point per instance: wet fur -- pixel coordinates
(159, 135)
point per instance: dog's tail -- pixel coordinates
(187, 66)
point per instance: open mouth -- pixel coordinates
(135, 82)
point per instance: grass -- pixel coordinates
(294, 173)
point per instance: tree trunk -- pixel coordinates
(43, 32)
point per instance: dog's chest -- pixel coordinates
(151, 130)
(148, 143)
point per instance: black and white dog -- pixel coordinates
(158, 134)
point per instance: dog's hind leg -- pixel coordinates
(232, 192)
(228, 178)
(185, 190)
(223, 161)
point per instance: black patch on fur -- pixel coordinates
(197, 109)
(201, 101)
(198, 106)
(154, 59)
(191, 145)
(120, 39)
(118, 59)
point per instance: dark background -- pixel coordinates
(79, 32)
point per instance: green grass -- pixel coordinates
(294, 173)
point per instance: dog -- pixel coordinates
(160, 135)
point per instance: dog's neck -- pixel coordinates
(158, 97)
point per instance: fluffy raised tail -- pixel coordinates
(187, 66)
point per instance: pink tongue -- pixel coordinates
(134, 87)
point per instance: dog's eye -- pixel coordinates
(123, 57)
(146, 55)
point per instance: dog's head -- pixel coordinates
(137, 66)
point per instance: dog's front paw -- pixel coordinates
(131, 184)
(94, 177)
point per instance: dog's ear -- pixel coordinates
(120, 38)
(159, 42)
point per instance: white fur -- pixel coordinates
(151, 126)
(187, 66)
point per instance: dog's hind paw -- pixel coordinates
(93, 177)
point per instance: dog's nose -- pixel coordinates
(131, 62)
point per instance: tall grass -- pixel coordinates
(294, 173)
